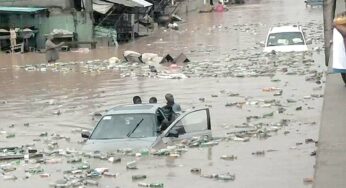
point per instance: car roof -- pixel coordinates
(134, 109)
(288, 28)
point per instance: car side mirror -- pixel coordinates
(85, 134)
(262, 44)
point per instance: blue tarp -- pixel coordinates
(20, 9)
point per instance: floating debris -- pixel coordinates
(10, 135)
(309, 140)
(226, 176)
(259, 153)
(308, 180)
(228, 157)
(271, 114)
(291, 101)
(114, 159)
(131, 165)
(10, 177)
(196, 171)
(138, 177)
(152, 185)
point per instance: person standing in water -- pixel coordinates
(52, 53)
(13, 38)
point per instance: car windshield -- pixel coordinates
(121, 125)
(285, 38)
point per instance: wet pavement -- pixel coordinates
(226, 54)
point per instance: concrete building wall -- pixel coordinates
(65, 4)
(77, 22)
(61, 16)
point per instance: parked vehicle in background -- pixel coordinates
(138, 127)
(285, 39)
(313, 3)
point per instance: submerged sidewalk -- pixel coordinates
(331, 154)
(330, 170)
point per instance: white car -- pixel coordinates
(285, 39)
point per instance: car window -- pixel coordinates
(192, 122)
(285, 38)
(121, 125)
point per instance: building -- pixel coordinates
(84, 21)
(73, 19)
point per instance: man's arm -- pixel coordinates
(341, 29)
(51, 45)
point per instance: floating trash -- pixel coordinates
(131, 165)
(228, 157)
(138, 177)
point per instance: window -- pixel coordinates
(285, 38)
(121, 125)
(192, 122)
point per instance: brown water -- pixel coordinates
(35, 96)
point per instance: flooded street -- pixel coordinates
(228, 69)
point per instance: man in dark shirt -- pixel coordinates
(171, 111)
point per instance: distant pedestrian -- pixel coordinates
(153, 100)
(219, 7)
(137, 100)
(13, 38)
(52, 54)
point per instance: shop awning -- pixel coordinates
(143, 3)
(20, 9)
(102, 6)
(132, 3)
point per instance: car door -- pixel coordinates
(187, 125)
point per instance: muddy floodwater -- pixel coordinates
(243, 87)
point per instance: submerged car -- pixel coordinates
(137, 126)
(285, 39)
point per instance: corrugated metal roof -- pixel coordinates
(20, 9)
(102, 6)
(132, 3)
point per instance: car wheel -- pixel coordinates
(343, 75)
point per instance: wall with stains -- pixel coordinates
(78, 22)
(65, 4)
